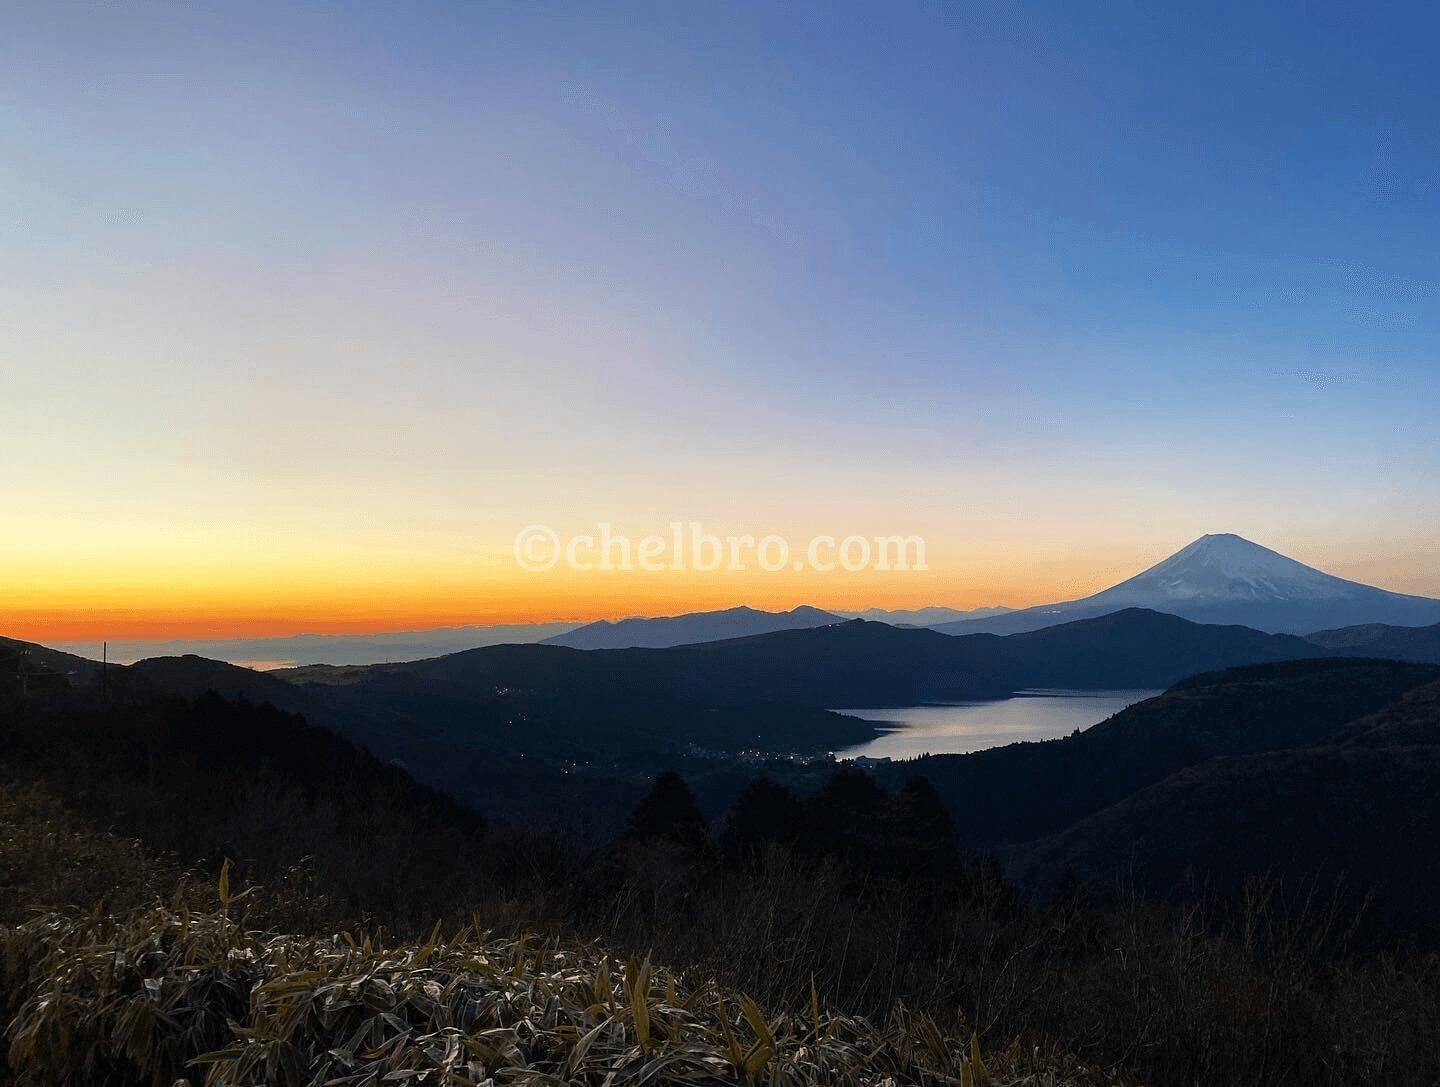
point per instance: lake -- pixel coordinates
(956, 728)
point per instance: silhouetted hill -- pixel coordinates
(710, 673)
(1224, 579)
(302, 649)
(765, 691)
(856, 663)
(1139, 648)
(1413, 719)
(860, 664)
(494, 726)
(706, 626)
(206, 775)
(1028, 790)
(456, 745)
(191, 676)
(1365, 807)
(555, 701)
(364, 721)
(16, 654)
(1381, 640)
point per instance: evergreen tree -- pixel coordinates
(668, 813)
(845, 817)
(765, 812)
(922, 836)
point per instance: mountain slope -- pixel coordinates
(1363, 806)
(446, 742)
(301, 649)
(921, 617)
(190, 775)
(15, 654)
(1225, 579)
(1135, 647)
(1028, 790)
(852, 664)
(704, 626)
(829, 665)
(460, 721)
(1382, 640)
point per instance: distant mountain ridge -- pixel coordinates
(922, 617)
(458, 721)
(522, 714)
(765, 691)
(1225, 579)
(1381, 640)
(859, 663)
(854, 663)
(691, 629)
(301, 649)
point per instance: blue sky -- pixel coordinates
(1065, 284)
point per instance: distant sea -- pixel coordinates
(957, 728)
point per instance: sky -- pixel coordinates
(306, 310)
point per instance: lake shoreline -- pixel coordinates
(963, 727)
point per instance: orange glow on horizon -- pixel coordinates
(57, 604)
(356, 609)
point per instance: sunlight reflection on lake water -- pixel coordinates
(956, 728)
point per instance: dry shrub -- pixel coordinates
(164, 994)
(50, 860)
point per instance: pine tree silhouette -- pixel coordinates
(923, 835)
(765, 812)
(669, 813)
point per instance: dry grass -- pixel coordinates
(1165, 996)
(164, 994)
(50, 860)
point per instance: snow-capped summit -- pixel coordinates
(1224, 578)
(1228, 567)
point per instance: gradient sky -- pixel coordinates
(304, 312)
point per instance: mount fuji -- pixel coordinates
(1227, 579)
